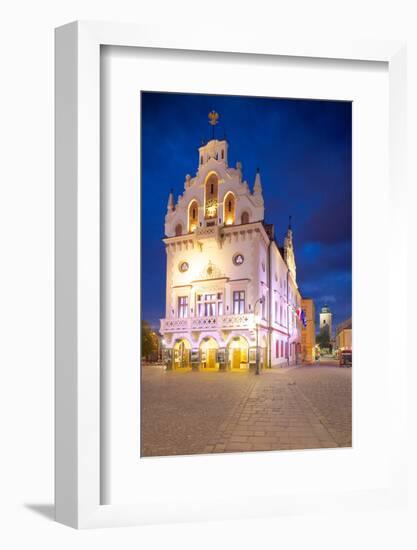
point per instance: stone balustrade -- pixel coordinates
(222, 322)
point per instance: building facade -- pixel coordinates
(326, 317)
(308, 332)
(231, 291)
(344, 336)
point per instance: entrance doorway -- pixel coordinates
(208, 354)
(238, 353)
(182, 352)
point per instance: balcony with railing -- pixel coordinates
(221, 322)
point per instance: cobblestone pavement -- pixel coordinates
(211, 412)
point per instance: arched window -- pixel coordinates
(229, 209)
(244, 217)
(211, 190)
(178, 230)
(192, 216)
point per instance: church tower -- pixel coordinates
(326, 318)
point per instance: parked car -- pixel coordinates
(345, 358)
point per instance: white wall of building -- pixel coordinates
(208, 249)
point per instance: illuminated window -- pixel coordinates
(229, 209)
(192, 216)
(210, 305)
(211, 188)
(182, 306)
(238, 302)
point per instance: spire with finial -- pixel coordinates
(257, 188)
(170, 206)
(213, 120)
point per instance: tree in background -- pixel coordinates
(149, 341)
(323, 338)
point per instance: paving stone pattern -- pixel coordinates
(187, 413)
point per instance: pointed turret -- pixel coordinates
(289, 255)
(257, 188)
(170, 206)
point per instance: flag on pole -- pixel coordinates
(303, 318)
(301, 314)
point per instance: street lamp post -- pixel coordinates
(260, 301)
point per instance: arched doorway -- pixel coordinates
(182, 352)
(238, 352)
(208, 352)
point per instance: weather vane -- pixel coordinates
(213, 120)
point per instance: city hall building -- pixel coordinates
(231, 289)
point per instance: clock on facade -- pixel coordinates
(238, 259)
(183, 267)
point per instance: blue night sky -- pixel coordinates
(303, 149)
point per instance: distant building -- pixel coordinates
(344, 335)
(326, 317)
(308, 333)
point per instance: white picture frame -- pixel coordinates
(78, 405)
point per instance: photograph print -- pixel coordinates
(246, 274)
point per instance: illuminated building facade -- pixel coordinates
(344, 335)
(231, 291)
(308, 332)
